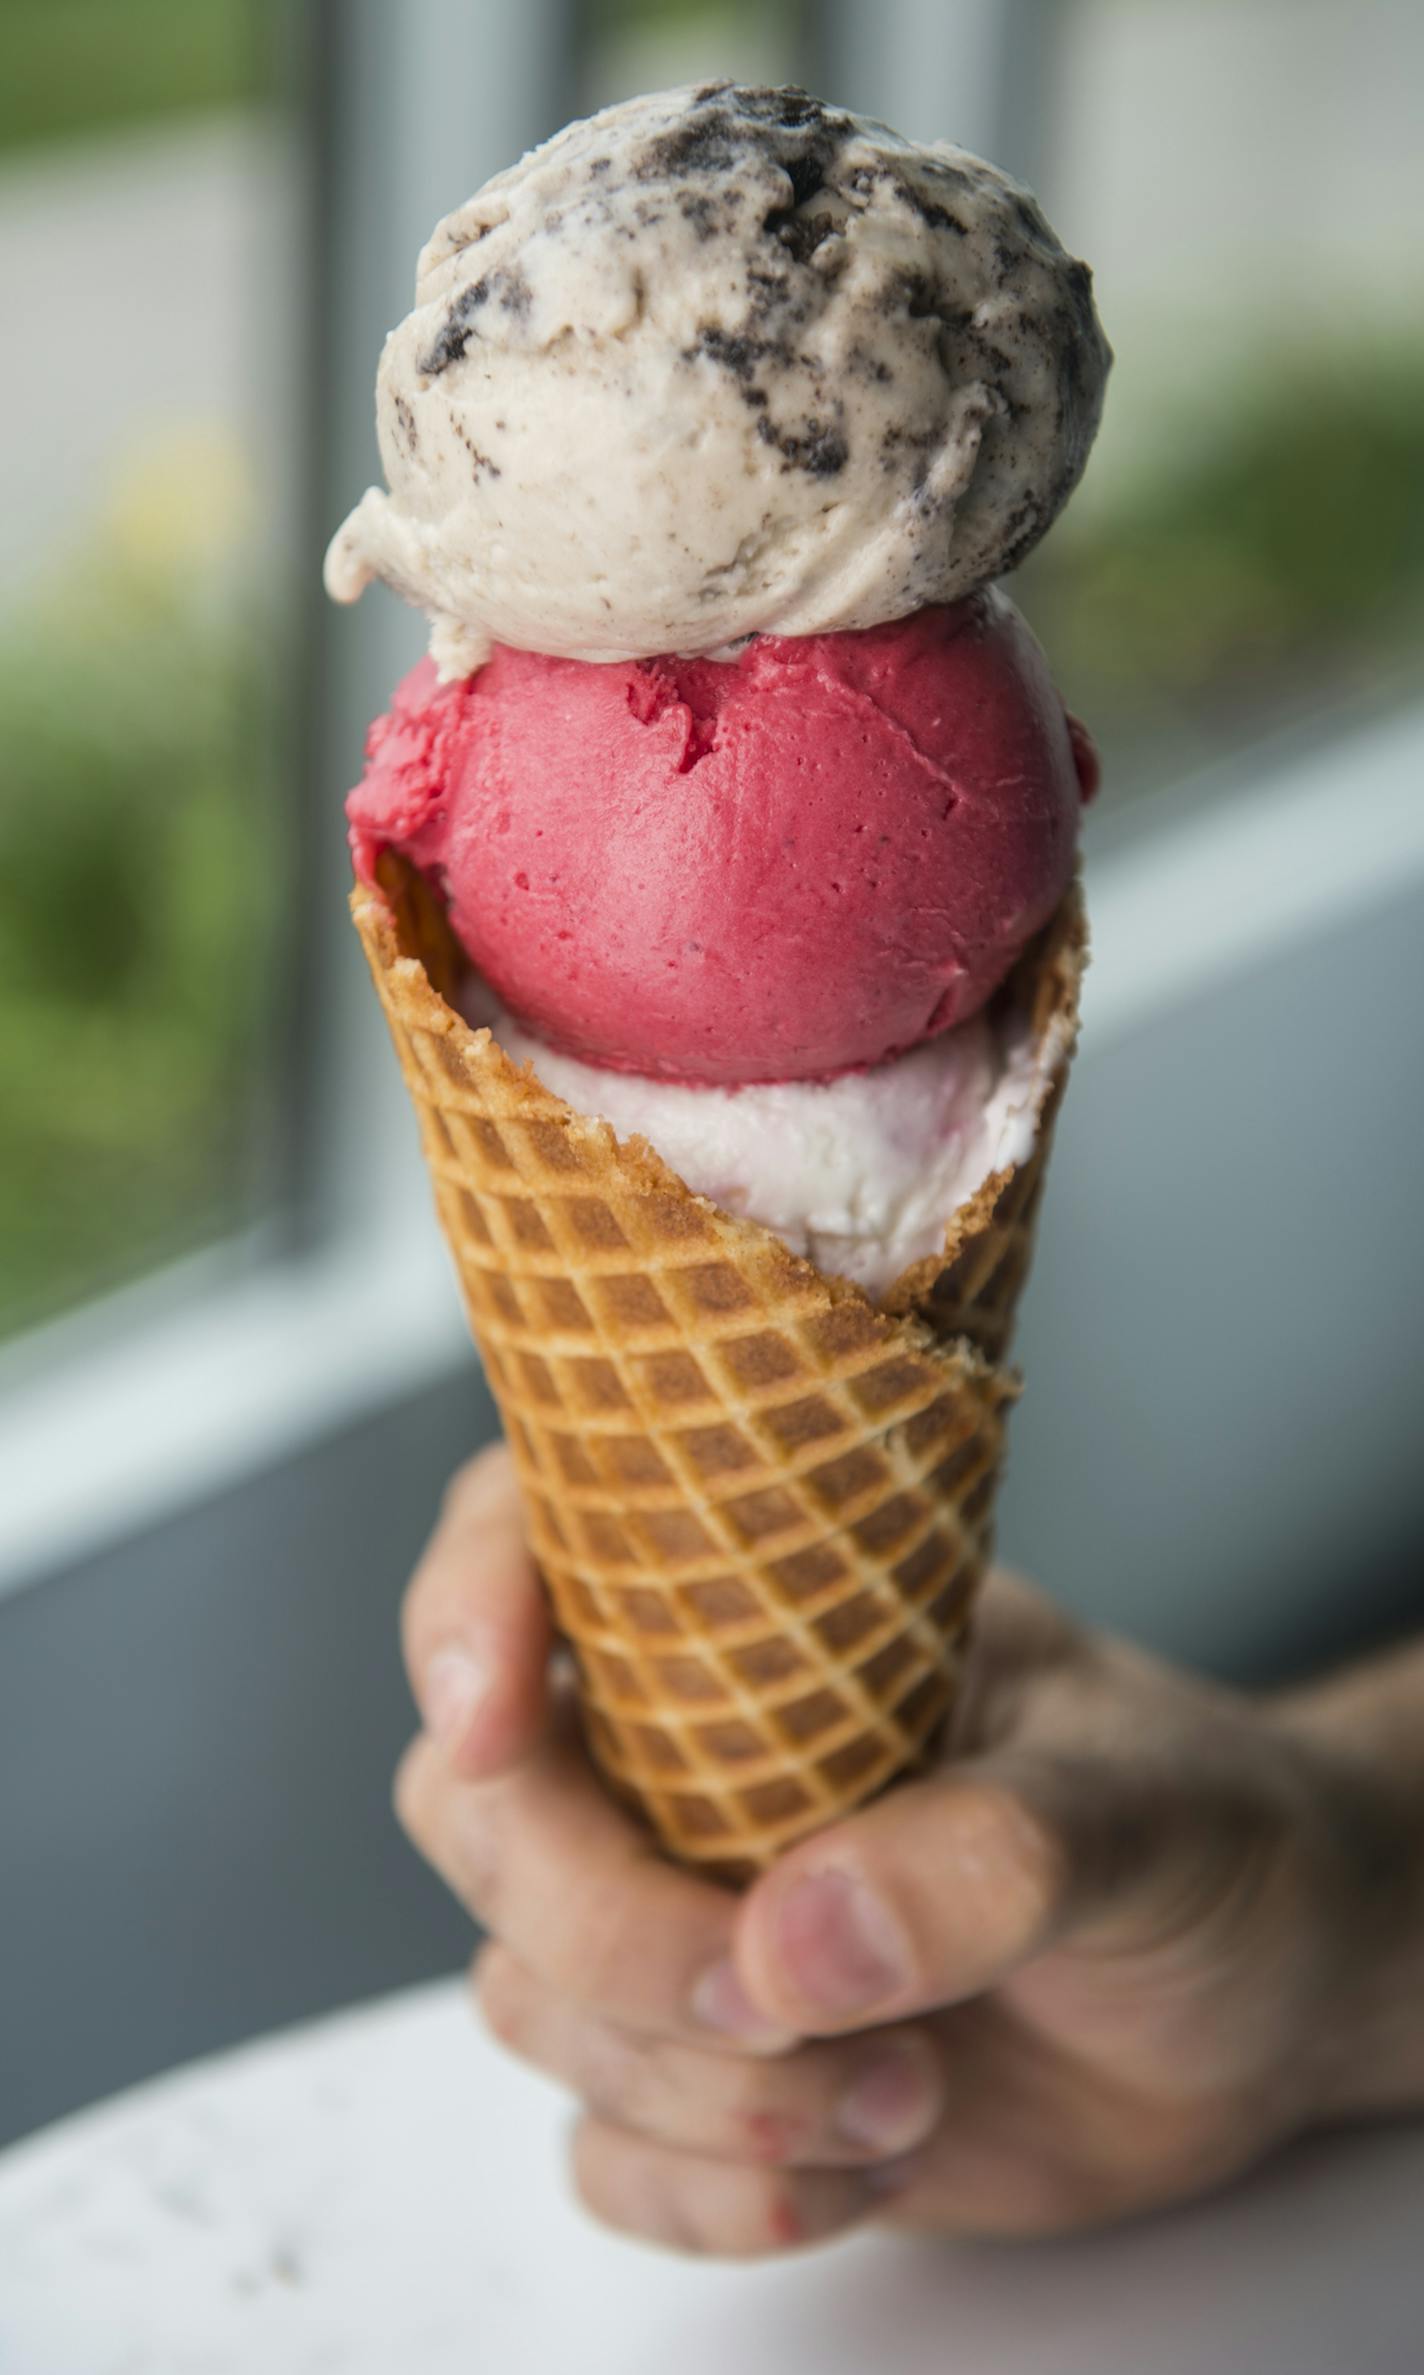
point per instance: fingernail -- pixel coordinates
(451, 1689)
(892, 2105)
(841, 1947)
(720, 2002)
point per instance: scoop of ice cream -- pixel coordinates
(723, 362)
(861, 1174)
(782, 866)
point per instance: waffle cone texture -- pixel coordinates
(761, 1504)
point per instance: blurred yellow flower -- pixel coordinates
(182, 505)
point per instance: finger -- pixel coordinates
(925, 1899)
(713, 2207)
(832, 2105)
(541, 1856)
(475, 1623)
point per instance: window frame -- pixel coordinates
(337, 1299)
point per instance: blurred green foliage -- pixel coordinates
(1267, 571)
(74, 66)
(1279, 572)
(135, 866)
(136, 835)
(616, 16)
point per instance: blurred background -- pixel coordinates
(231, 1371)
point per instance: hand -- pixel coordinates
(1096, 1963)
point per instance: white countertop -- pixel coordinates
(383, 2194)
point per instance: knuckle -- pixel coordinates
(703, 2208)
(717, 2225)
(774, 2138)
(767, 2127)
(689, 2099)
(1029, 1857)
(616, 2079)
(420, 1606)
(410, 1793)
(458, 1840)
(481, 1868)
(489, 1472)
(502, 1996)
(595, 2174)
(637, 2191)
(595, 1959)
(759, 2215)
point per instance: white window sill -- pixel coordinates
(106, 1436)
(1256, 855)
(109, 1426)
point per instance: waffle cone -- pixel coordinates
(761, 1504)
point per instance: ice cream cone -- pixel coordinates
(762, 1505)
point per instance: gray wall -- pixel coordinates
(1221, 1445)
(197, 1734)
(1219, 1449)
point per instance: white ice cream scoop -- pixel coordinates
(718, 362)
(861, 1174)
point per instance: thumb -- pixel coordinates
(930, 1896)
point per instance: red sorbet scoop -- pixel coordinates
(782, 866)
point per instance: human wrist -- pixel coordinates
(1364, 1844)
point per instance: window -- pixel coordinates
(145, 194)
(189, 1056)
(650, 45)
(1247, 550)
